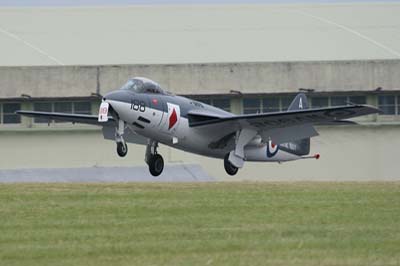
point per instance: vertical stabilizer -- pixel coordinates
(299, 147)
(299, 103)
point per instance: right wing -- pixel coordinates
(108, 128)
(74, 118)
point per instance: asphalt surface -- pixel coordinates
(42, 3)
(172, 173)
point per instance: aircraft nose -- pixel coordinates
(115, 96)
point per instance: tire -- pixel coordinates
(122, 149)
(156, 165)
(229, 167)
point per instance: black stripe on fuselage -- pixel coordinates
(141, 118)
(138, 125)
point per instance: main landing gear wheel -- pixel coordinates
(122, 149)
(156, 164)
(229, 167)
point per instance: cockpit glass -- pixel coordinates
(138, 85)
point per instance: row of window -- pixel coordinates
(8, 115)
(389, 104)
(275, 104)
(62, 107)
(224, 104)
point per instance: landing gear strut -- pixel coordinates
(229, 167)
(122, 148)
(154, 160)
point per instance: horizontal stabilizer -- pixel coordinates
(288, 134)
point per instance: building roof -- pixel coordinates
(171, 34)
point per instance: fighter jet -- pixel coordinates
(142, 112)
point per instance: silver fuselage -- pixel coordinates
(164, 118)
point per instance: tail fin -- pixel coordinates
(299, 147)
(299, 103)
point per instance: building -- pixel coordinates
(67, 57)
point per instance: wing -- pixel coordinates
(108, 128)
(282, 126)
(74, 118)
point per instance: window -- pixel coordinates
(358, 99)
(224, 104)
(142, 85)
(286, 101)
(338, 100)
(398, 105)
(344, 100)
(318, 102)
(84, 108)
(9, 115)
(206, 101)
(42, 107)
(63, 107)
(251, 105)
(387, 104)
(270, 105)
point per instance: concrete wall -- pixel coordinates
(357, 153)
(82, 81)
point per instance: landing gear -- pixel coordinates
(122, 149)
(154, 160)
(229, 167)
(156, 165)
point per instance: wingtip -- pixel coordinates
(373, 109)
(376, 109)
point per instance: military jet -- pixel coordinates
(142, 112)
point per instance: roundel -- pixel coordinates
(272, 149)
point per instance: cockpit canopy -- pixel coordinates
(143, 85)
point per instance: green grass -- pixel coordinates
(200, 224)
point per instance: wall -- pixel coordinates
(82, 81)
(355, 153)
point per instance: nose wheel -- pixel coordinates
(229, 167)
(122, 149)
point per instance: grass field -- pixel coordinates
(200, 224)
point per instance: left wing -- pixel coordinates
(282, 127)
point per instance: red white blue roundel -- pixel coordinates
(272, 149)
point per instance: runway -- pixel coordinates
(172, 173)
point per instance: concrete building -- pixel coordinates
(66, 57)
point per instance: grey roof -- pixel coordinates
(196, 34)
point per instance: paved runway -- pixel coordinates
(172, 173)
